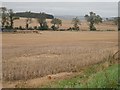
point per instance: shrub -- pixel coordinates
(35, 27)
(54, 28)
(20, 27)
(43, 28)
(16, 28)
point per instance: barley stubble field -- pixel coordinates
(30, 60)
(59, 45)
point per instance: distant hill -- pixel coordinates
(69, 17)
(33, 15)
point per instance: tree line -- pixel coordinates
(8, 17)
(30, 14)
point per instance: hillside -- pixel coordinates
(33, 15)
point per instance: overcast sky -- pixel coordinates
(105, 9)
(59, 0)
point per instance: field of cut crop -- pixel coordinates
(31, 56)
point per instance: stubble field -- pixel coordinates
(105, 25)
(30, 56)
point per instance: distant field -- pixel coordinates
(67, 23)
(30, 56)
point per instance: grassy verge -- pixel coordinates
(93, 77)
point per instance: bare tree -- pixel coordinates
(28, 21)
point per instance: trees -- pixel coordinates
(11, 14)
(11, 17)
(56, 23)
(7, 18)
(93, 19)
(42, 22)
(76, 23)
(116, 20)
(28, 21)
(4, 16)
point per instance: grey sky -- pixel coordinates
(105, 9)
(59, 0)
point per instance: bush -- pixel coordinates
(16, 28)
(69, 28)
(92, 28)
(43, 28)
(20, 27)
(54, 28)
(62, 29)
(35, 27)
(8, 27)
(73, 28)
